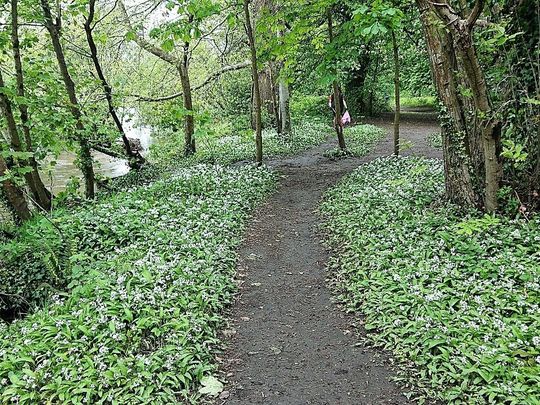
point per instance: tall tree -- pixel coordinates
(338, 124)
(397, 113)
(41, 195)
(256, 90)
(54, 27)
(135, 160)
(182, 66)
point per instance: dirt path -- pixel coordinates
(291, 344)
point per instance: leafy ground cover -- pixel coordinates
(150, 272)
(359, 140)
(453, 295)
(234, 148)
(29, 272)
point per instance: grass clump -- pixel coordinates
(453, 295)
(152, 270)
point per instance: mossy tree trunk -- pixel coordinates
(471, 135)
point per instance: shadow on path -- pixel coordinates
(290, 343)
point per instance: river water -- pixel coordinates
(104, 165)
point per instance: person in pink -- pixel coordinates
(346, 117)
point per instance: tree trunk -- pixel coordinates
(85, 155)
(135, 160)
(275, 95)
(486, 131)
(41, 195)
(14, 195)
(397, 113)
(15, 142)
(490, 128)
(284, 107)
(338, 124)
(256, 90)
(189, 120)
(459, 183)
(266, 88)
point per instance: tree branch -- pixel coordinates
(475, 13)
(109, 152)
(208, 80)
(444, 11)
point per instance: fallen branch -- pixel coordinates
(109, 152)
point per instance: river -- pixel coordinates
(104, 165)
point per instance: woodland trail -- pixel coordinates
(291, 344)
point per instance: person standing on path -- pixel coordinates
(346, 118)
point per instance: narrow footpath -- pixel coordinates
(288, 342)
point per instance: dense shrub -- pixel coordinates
(152, 274)
(454, 295)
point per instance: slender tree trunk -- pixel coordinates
(189, 120)
(14, 195)
(15, 142)
(284, 97)
(284, 107)
(41, 195)
(135, 160)
(490, 128)
(256, 90)
(85, 154)
(275, 95)
(397, 114)
(182, 65)
(338, 124)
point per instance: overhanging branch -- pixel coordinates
(209, 79)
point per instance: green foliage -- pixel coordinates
(150, 278)
(307, 106)
(513, 152)
(418, 102)
(32, 266)
(453, 295)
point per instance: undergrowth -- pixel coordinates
(225, 150)
(455, 296)
(150, 272)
